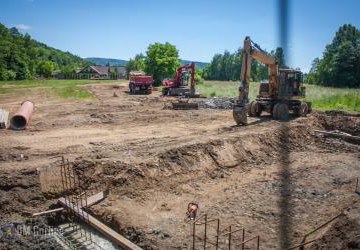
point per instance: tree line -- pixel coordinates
(22, 57)
(161, 61)
(340, 64)
(227, 66)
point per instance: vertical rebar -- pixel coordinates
(79, 210)
(217, 234)
(66, 198)
(205, 231)
(194, 235)
(65, 175)
(243, 239)
(230, 237)
(69, 173)
(87, 215)
(258, 242)
(357, 184)
(62, 173)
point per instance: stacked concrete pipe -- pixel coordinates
(21, 119)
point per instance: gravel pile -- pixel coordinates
(217, 103)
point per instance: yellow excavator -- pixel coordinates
(279, 95)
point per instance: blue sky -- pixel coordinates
(199, 29)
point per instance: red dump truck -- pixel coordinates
(140, 84)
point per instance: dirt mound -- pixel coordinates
(20, 196)
(19, 193)
(343, 233)
(345, 122)
(239, 151)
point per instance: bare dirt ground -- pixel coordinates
(276, 179)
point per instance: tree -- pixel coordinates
(138, 63)
(340, 65)
(198, 76)
(313, 76)
(45, 68)
(161, 61)
(227, 67)
(279, 56)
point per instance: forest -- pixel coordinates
(22, 57)
(340, 64)
(227, 66)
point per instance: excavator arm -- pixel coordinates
(252, 51)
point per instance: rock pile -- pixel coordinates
(217, 103)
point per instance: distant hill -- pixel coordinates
(199, 65)
(22, 57)
(117, 62)
(105, 61)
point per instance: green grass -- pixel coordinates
(224, 89)
(321, 97)
(347, 102)
(63, 88)
(333, 98)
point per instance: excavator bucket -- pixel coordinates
(240, 115)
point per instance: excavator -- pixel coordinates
(178, 86)
(277, 96)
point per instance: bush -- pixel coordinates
(213, 94)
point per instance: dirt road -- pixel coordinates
(276, 179)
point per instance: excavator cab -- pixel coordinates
(290, 84)
(185, 77)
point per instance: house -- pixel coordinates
(102, 72)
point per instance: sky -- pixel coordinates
(198, 28)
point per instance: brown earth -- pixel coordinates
(276, 179)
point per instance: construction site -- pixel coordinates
(128, 166)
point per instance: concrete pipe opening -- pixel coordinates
(18, 122)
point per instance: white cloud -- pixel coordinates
(22, 26)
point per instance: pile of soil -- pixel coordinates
(343, 233)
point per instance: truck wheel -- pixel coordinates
(275, 111)
(258, 109)
(251, 109)
(254, 109)
(164, 91)
(282, 111)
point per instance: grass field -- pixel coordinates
(321, 97)
(62, 88)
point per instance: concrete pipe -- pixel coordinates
(21, 119)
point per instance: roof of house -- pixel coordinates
(104, 70)
(101, 70)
